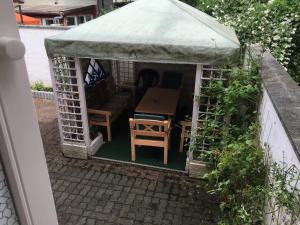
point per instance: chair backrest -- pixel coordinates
(148, 117)
(171, 80)
(147, 126)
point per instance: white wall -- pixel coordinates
(275, 138)
(35, 56)
(274, 135)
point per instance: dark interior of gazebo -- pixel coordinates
(121, 88)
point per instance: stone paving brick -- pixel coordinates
(95, 192)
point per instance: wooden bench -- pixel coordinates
(105, 103)
(146, 132)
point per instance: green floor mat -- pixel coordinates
(119, 148)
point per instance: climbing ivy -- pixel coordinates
(239, 175)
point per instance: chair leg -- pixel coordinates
(182, 139)
(132, 151)
(181, 144)
(165, 156)
(108, 126)
(166, 145)
(109, 133)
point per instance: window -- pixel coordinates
(81, 19)
(71, 21)
(84, 18)
(76, 20)
(88, 18)
(47, 21)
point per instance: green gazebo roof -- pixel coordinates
(150, 31)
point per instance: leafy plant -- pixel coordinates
(239, 174)
(283, 194)
(40, 86)
(275, 25)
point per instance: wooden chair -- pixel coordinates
(186, 127)
(150, 132)
(185, 133)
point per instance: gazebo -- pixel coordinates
(162, 35)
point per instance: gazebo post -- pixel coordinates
(82, 99)
(195, 115)
(195, 168)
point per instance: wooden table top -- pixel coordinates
(159, 101)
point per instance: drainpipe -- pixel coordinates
(100, 7)
(20, 12)
(57, 18)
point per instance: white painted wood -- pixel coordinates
(13, 174)
(11, 48)
(199, 72)
(21, 147)
(95, 144)
(82, 98)
(66, 99)
(56, 100)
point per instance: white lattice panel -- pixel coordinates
(69, 106)
(207, 103)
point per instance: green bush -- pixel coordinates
(40, 86)
(238, 179)
(239, 173)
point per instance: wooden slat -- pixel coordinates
(149, 143)
(69, 132)
(149, 122)
(70, 113)
(70, 106)
(69, 126)
(149, 133)
(67, 84)
(67, 92)
(74, 140)
(99, 112)
(71, 120)
(62, 68)
(68, 99)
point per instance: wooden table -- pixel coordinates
(160, 101)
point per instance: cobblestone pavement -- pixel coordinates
(95, 192)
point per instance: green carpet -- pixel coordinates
(119, 148)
